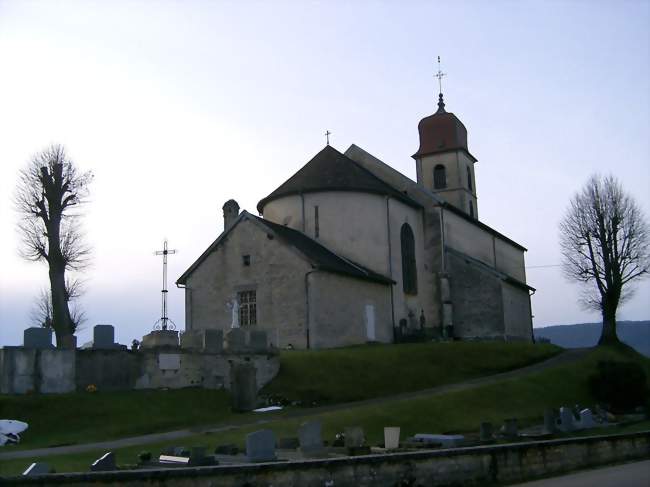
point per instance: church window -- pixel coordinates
(247, 308)
(439, 177)
(469, 178)
(409, 269)
(316, 226)
(471, 209)
(246, 260)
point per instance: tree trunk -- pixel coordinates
(608, 335)
(61, 320)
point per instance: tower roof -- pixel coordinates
(330, 170)
(441, 132)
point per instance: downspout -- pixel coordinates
(530, 311)
(390, 266)
(307, 315)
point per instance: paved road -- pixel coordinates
(568, 356)
(627, 475)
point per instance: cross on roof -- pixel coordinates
(439, 75)
(327, 134)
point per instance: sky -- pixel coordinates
(177, 107)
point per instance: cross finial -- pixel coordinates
(327, 134)
(439, 75)
(164, 322)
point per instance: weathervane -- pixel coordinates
(164, 322)
(327, 134)
(439, 75)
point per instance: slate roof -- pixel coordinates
(316, 253)
(330, 170)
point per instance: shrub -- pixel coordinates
(621, 385)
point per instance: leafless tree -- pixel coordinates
(49, 193)
(41, 313)
(605, 246)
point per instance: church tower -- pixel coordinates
(444, 164)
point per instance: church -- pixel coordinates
(348, 251)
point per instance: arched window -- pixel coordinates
(439, 177)
(409, 270)
(469, 178)
(471, 209)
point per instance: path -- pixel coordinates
(568, 356)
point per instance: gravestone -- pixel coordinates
(103, 337)
(213, 341)
(257, 340)
(260, 446)
(243, 387)
(391, 437)
(310, 438)
(550, 421)
(486, 432)
(37, 337)
(354, 437)
(445, 441)
(510, 428)
(105, 463)
(566, 421)
(236, 340)
(38, 468)
(587, 419)
(174, 460)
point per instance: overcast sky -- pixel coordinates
(178, 106)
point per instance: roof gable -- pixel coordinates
(330, 170)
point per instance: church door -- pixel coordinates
(370, 322)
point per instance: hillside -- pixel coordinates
(634, 333)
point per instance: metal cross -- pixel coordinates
(163, 322)
(327, 134)
(439, 75)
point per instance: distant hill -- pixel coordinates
(635, 333)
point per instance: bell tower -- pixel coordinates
(443, 162)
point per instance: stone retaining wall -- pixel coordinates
(482, 466)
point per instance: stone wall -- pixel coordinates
(478, 466)
(25, 370)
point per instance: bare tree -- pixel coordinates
(49, 192)
(605, 245)
(41, 313)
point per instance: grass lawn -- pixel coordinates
(355, 373)
(461, 411)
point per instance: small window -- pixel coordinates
(439, 177)
(316, 226)
(469, 178)
(246, 260)
(471, 209)
(247, 308)
(409, 268)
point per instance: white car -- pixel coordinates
(10, 430)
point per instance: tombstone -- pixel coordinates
(550, 421)
(257, 340)
(213, 341)
(38, 468)
(37, 337)
(486, 432)
(354, 437)
(445, 441)
(290, 443)
(510, 428)
(260, 446)
(565, 422)
(391, 437)
(243, 387)
(236, 340)
(310, 438)
(103, 336)
(105, 463)
(587, 419)
(174, 460)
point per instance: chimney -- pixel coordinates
(230, 213)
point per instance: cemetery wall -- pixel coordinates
(24, 370)
(482, 465)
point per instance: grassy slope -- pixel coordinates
(350, 374)
(462, 411)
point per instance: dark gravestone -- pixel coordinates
(510, 428)
(213, 341)
(310, 437)
(566, 420)
(550, 421)
(105, 463)
(243, 387)
(260, 446)
(257, 341)
(236, 340)
(487, 432)
(37, 337)
(103, 337)
(354, 437)
(38, 468)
